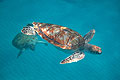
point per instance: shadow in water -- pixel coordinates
(1, 0)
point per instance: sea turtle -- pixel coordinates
(23, 42)
(64, 38)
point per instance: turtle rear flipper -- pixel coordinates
(73, 58)
(28, 30)
(89, 35)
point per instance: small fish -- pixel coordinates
(23, 42)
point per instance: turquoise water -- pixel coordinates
(43, 63)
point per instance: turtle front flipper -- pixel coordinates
(89, 35)
(73, 58)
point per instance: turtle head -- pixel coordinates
(95, 49)
(92, 48)
(28, 30)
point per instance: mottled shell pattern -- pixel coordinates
(60, 36)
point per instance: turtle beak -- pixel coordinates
(99, 50)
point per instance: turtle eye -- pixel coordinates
(35, 28)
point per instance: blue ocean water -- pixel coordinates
(43, 63)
